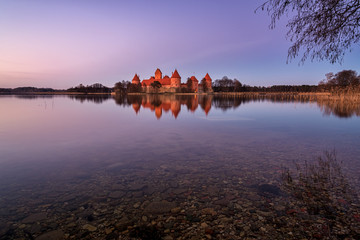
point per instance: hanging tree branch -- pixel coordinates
(319, 29)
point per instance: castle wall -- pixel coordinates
(208, 84)
(195, 86)
(175, 82)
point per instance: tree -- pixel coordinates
(204, 85)
(341, 79)
(237, 85)
(121, 87)
(189, 85)
(347, 77)
(322, 29)
(224, 85)
(134, 88)
(156, 85)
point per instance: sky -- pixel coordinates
(60, 44)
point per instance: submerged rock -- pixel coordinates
(89, 227)
(117, 194)
(266, 189)
(35, 218)
(160, 207)
(53, 235)
(146, 232)
(137, 186)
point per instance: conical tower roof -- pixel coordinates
(136, 78)
(175, 74)
(193, 78)
(207, 77)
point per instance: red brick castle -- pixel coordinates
(174, 84)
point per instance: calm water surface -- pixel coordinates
(98, 167)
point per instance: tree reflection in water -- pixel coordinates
(96, 98)
(341, 107)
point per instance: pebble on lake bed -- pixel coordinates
(160, 207)
(89, 227)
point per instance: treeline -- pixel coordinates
(25, 90)
(233, 85)
(346, 79)
(94, 88)
(282, 88)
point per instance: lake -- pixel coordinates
(170, 166)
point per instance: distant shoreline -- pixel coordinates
(53, 93)
(318, 94)
(275, 93)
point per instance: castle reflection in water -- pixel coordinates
(160, 104)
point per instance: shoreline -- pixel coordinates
(53, 93)
(313, 94)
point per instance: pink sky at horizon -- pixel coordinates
(60, 44)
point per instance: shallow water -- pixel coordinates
(70, 162)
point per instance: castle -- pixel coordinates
(174, 84)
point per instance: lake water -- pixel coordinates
(164, 167)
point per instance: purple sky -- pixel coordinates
(61, 44)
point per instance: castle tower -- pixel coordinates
(158, 74)
(208, 81)
(136, 79)
(175, 79)
(194, 84)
